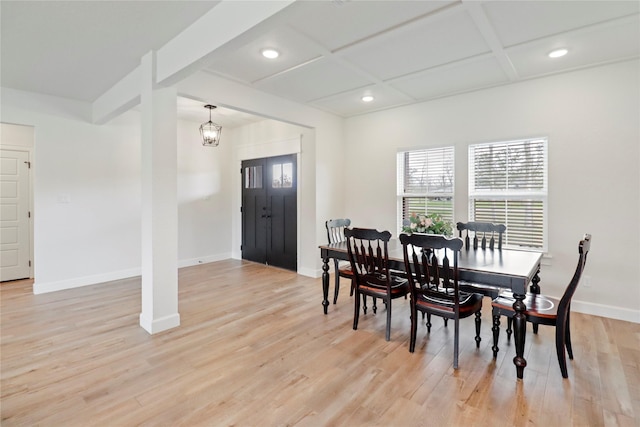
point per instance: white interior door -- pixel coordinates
(14, 215)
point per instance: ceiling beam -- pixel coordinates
(187, 52)
(491, 38)
(120, 98)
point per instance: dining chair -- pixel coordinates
(369, 257)
(431, 263)
(335, 234)
(545, 310)
(478, 232)
(481, 231)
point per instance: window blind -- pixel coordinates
(426, 182)
(508, 185)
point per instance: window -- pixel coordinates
(508, 185)
(253, 177)
(425, 183)
(282, 175)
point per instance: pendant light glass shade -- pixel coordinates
(210, 131)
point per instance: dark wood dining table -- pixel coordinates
(507, 268)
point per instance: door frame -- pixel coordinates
(28, 147)
(276, 148)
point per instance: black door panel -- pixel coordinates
(269, 211)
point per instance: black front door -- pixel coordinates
(269, 211)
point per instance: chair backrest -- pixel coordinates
(335, 229)
(369, 256)
(481, 230)
(431, 263)
(583, 250)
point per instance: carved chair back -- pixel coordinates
(335, 229)
(484, 234)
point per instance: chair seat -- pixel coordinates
(345, 271)
(469, 303)
(376, 283)
(539, 306)
(398, 273)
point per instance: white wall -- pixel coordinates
(87, 193)
(204, 196)
(592, 120)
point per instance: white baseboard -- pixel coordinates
(60, 285)
(608, 311)
(41, 288)
(318, 272)
(308, 272)
(158, 325)
(203, 260)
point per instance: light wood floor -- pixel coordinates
(254, 349)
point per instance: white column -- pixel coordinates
(159, 203)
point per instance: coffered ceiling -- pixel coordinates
(331, 52)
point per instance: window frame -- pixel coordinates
(506, 194)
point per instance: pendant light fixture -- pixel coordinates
(210, 131)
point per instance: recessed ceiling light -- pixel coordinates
(367, 98)
(270, 53)
(558, 53)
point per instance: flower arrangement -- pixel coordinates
(430, 224)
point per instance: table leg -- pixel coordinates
(519, 333)
(535, 289)
(325, 284)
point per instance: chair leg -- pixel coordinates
(356, 310)
(567, 338)
(455, 343)
(509, 330)
(388, 331)
(364, 303)
(428, 323)
(353, 286)
(336, 286)
(496, 334)
(560, 336)
(375, 306)
(414, 329)
(478, 323)
(446, 321)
